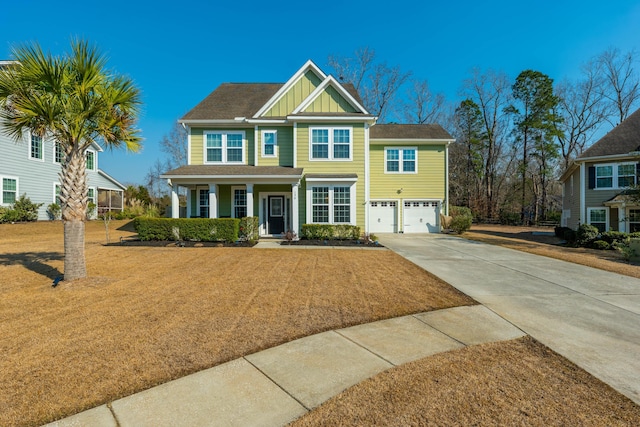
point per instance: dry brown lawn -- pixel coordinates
(149, 315)
(513, 383)
(524, 239)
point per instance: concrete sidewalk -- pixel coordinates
(278, 385)
(590, 316)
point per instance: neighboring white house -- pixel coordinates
(32, 165)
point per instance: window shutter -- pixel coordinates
(592, 177)
(637, 173)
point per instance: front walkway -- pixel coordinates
(590, 316)
(278, 385)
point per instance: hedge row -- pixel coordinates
(193, 229)
(330, 231)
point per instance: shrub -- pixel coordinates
(615, 237)
(559, 231)
(22, 210)
(329, 231)
(461, 219)
(194, 229)
(249, 228)
(600, 244)
(586, 234)
(54, 211)
(509, 218)
(91, 210)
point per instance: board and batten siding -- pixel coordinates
(427, 183)
(197, 143)
(294, 96)
(284, 147)
(330, 101)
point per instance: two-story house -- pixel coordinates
(307, 151)
(31, 167)
(594, 186)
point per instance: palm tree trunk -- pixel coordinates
(73, 196)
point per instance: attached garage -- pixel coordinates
(383, 216)
(421, 216)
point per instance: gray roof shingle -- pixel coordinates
(231, 100)
(621, 140)
(408, 131)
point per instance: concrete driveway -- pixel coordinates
(589, 316)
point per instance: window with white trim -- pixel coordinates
(58, 153)
(331, 204)
(56, 194)
(330, 143)
(224, 147)
(400, 160)
(634, 220)
(35, 148)
(91, 160)
(598, 217)
(9, 190)
(91, 195)
(269, 143)
(239, 202)
(203, 203)
(612, 176)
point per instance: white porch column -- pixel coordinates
(622, 224)
(175, 202)
(189, 201)
(295, 216)
(249, 199)
(213, 201)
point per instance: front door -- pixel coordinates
(275, 217)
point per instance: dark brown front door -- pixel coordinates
(276, 214)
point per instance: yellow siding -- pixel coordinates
(197, 148)
(334, 167)
(428, 183)
(330, 101)
(285, 147)
(296, 94)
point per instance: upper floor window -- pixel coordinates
(58, 153)
(330, 143)
(269, 143)
(35, 147)
(91, 195)
(224, 147)
(619, 175)
(9, 190)
(91, 160)
(400, 160)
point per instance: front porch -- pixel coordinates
(270, 193)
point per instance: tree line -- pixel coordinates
(514, 138)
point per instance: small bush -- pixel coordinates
(91, 210)
(194, 229)
(615, 237)
(22, 210)
(250, 228)
(54, 211)
(601, 244)
(461, 219)
(329, 231)
(509, 218)
(586, 234)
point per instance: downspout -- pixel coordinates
(367, 173)
(584, 181)
(255, 146)
(446, 179)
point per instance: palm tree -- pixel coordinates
(76, 101)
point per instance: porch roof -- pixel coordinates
(234, 171)
(626, 197)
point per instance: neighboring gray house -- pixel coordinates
(31, 167)
(594, 186)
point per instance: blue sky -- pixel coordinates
(178, 52)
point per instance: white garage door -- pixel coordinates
(383, 217)
(420, 216)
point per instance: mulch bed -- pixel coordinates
(321, 242)
(181, 244)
